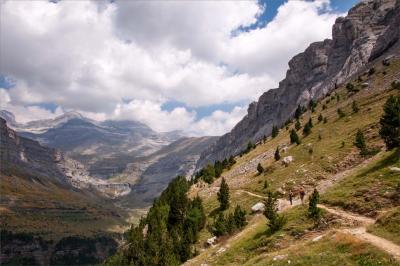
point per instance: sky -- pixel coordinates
(186, 65)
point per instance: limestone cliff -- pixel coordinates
(369, 30)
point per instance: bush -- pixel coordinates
(325, 120)
(395, 85)
(390, 123)
(320, 118)
(354, 106)
(341, 113)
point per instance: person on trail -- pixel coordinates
(302, 194)
(291, 197)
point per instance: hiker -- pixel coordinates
(291, 197)
(302, 194)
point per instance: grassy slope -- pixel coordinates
(329, 157)
(51, 211)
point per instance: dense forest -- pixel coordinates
(166, 235)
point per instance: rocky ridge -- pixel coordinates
(369, 30)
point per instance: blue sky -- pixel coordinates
(188, 66)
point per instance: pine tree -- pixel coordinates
(298, 112)
(294, 138)
(354, 106)
(297, 125)
(264, 139)
(260, 169)
(313, 210)
(220, 225)
(275, 131)
(218, 168)
(239, 217)
(223, 195)
(325, 120)
(275, 221)
(232, 161)
(306, 129)
(360, 141)
(277, 156)
(390, 123)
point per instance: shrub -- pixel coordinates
(371, 71)
(325, 120)
(395, 85)
(354, 106)
(341, 113)
(320, 118)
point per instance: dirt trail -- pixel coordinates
(382, 243)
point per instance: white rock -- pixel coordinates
(315, 239)
(394, 169)
(211, 241)
(287, 160)
(280, 257)
(258, 207)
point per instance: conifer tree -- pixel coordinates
(220, 225)
(294, 138)
(260, 169)
(264, 139)
(239, 217)
(313, 210)
(360, 141)
(297, 125)
(275, 221)
(390, 123)
(277, 155)
(223, 195)
(275, 131)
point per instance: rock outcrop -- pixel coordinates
(369, 30)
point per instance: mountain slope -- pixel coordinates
(105, 148)
(41, 210)
(370, 29)
(154, 172)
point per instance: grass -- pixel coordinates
(368, 191)
(388, 226)
(332, 249)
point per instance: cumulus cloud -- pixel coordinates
(126, 58)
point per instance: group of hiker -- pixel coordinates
(301, 192)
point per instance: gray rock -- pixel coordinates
(370, 29)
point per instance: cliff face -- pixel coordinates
(370, 29)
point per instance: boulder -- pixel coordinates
(211, 241)
(287, 160)
(258, 207)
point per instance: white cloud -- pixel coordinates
(179, 118)
(95, 57)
